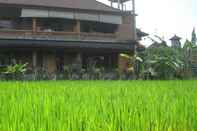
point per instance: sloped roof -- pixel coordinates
(158, 45)
(122, 1)
(141, 33)
(67, 4)
(175, 37)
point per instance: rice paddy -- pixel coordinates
(98, 106)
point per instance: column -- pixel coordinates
(79, 59)
(51, 62)
(77, 28)
(134, 21)
(34, 24)
(34, 62)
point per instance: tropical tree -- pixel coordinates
(162, 63)
(165, 67)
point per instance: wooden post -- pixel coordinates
(134, 17)
(78, 26)
(34, 60)
(135, 38)
(34, 24)
(79, 58)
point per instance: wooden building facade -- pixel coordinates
(49, 35)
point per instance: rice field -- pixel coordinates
(98, 106)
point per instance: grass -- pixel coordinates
(98, 106)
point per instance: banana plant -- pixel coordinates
(165, 63)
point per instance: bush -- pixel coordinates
(15, 72)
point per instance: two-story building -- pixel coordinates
(49, 34)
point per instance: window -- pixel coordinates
(50, 24)
(87, 26)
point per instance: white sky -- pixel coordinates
(166, 17)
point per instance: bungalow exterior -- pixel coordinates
(52, 34)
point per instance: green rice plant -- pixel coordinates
(98, 106)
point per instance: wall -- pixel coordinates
(126, 29)
(49, 62)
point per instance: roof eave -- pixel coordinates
(118, 12)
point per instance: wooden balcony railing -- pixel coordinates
(27, 34)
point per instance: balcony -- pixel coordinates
(57, 29)
(64, 36)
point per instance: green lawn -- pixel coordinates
(98, 106)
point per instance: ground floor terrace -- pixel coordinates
(59, 61)
(54, 60)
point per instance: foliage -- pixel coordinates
(98, 106)
(164, 66)
(194, 39)
(16, 69)
(187, 53)
(92, 72)
(162, 63)
(187, 45)
(14, 72)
